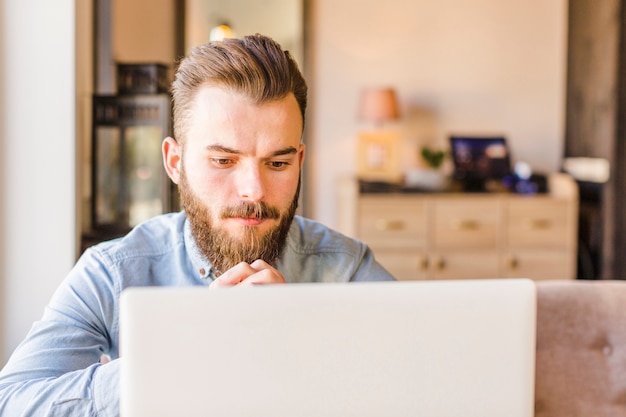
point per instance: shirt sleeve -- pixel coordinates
(56, 370)
(369, 269)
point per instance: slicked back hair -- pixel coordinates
(254, 65)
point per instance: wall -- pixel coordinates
(143, 31)
(470, 66)
(37, 141)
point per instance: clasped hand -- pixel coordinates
(257, 272)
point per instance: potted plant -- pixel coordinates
(432, 157)
(431, 177)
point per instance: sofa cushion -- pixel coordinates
(581, 349)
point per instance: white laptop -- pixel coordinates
(437, 348)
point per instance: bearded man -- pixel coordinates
(237, 156)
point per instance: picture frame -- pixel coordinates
(378, 157)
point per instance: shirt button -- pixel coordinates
(202, 271)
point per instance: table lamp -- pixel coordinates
(378, 151)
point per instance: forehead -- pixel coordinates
(222, 114)
(218, 99)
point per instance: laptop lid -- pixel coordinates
(444, 348)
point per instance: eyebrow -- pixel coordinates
(219, 148)
(287, 151)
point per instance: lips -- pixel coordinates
(249, 221)
(252, 221)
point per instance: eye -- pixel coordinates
(222, 162)
(278, 164)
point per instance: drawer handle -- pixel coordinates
(512, 262)
(465, 225)
(423, 264)
(440, 264)
(386, 225)
(540, 224)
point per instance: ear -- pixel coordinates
(301, 156)
(172, 158)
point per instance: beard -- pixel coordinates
(225, 251)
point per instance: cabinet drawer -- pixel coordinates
(539, 264)
(404, 265)
(533, 223)
(392, 222)
(468, 224)
(465, 264)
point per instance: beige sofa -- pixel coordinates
(581, 349)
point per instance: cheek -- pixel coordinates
(212, 190)
(284, 190)
(208, 189)
(199, 177)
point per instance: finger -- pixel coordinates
(234, 275)
(104, 358)
(266, 274)
(260, 264)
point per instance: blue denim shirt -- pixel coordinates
(56, 371)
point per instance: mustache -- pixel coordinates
(259, 210)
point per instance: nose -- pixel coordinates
(250, 184)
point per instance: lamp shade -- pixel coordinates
(378, 105)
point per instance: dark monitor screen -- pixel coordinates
(479, 159)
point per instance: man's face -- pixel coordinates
(239, 175)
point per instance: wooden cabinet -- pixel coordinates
(458, 235)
